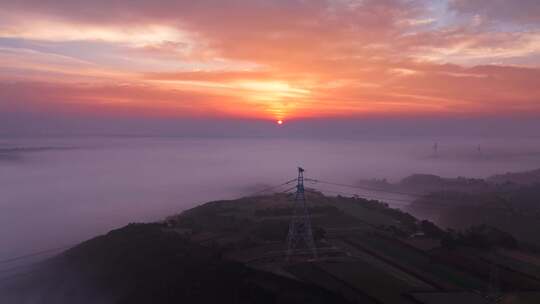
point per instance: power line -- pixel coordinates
(26, 256)
(407, 202)
(430, 200)
(395, 201)
(11, 277)
(403, 202)
(7, 270)
(361, 195)
(272, 187)
(366, 188)
(33, 254)
(286, 191)
(51, 250)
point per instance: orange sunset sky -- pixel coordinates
(271, 60)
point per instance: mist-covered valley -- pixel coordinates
(57, 191)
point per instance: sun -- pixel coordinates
(279, 122)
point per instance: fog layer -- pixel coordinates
(60, 190)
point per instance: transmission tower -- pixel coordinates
(300, 226)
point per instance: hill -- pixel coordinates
(508, 202)
(521, 178)
(146, 263)
(234, 252)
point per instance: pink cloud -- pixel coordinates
(257, 58)
(516, 11)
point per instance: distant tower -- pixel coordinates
(435, 149)
(300, 226)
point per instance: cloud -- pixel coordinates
(234, 28)
(266, 99)
(128, 98)
(513, 11)
(266, 59)
(471, 47)
(215, 76)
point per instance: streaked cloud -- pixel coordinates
(514, 11)
(270, 59)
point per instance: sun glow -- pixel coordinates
(271, 90)
(176, 60)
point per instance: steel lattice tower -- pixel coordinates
(300, 226)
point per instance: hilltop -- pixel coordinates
(508, 202)
(521, 178)
(147, 263)
(234, 252)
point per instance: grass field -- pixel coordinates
(418, 263)
(375, 283)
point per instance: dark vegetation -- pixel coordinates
(144, 263)
(233, 252)
(428, 182)
(520, 178)
(508, 203)
(287, 211)
(480, 237)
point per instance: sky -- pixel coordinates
(66, 61)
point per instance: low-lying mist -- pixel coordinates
(59, 191)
